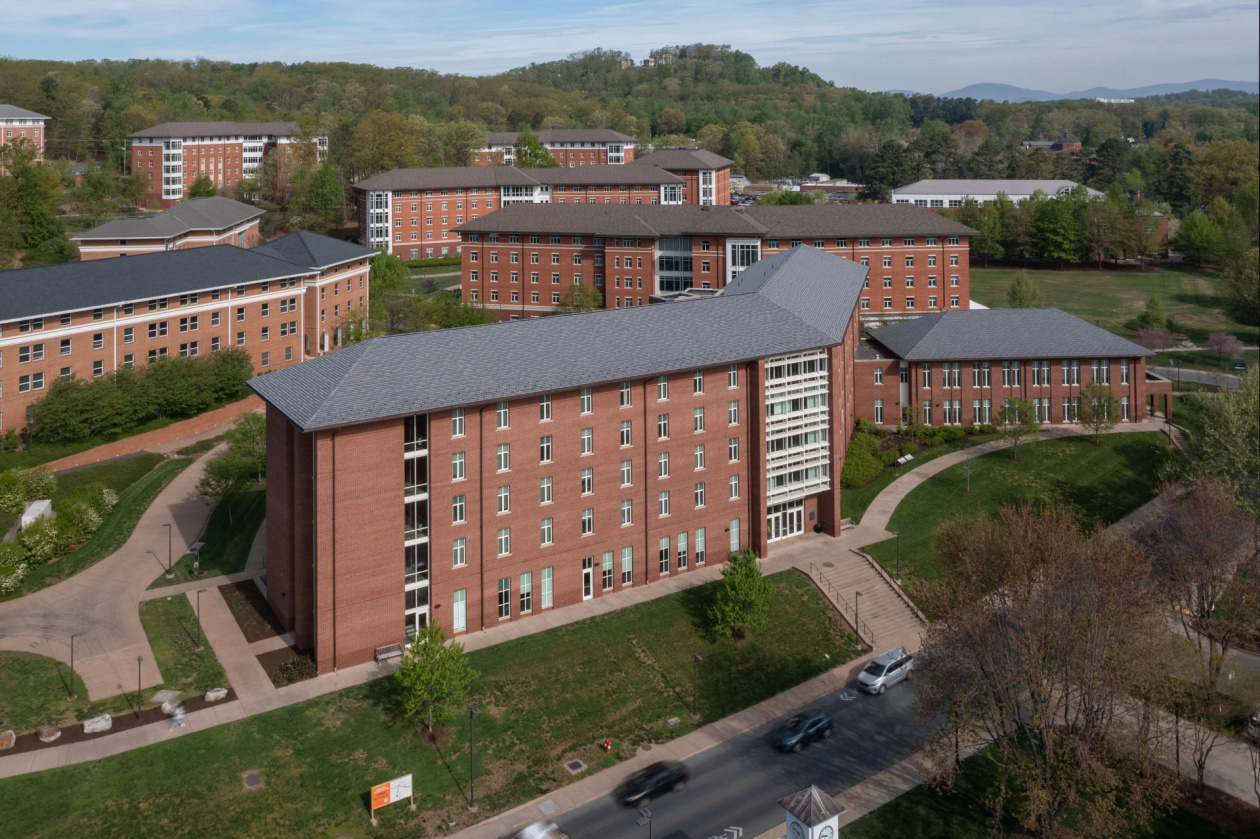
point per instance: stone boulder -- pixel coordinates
(7, 740)
(215, 694)
(48, 733)
(98, 724)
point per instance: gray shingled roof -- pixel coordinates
(987, 334)
(684, 159)
(561, 135)
(759, 316)
(855, 220)
(215, 129)
(452, 177)
(980, 186)
(812, 806)
(310, 250)
(72, 286)
(215, 213)
(14, 112)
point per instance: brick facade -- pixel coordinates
(244, 235)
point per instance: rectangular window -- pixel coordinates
(625, 433)
(588, 441)
(625, 394)
(627, 566)
(627, 512)
(697, 382)
(459, 553)
(588, 481)
(732, 450)
(700, 494)
(505, 597)
(1124, 373)
(697, 417)
(682, 550)
(663, 554)
(662, 387)
(662, 427)
(732, 413)
(734, 486)
(547, 531)
(544, 449)
(588, 522)
(501, 416)
(662, 503)
(879, 412)
(545, 590)
(584, 401)
(606, 566)
(662, 465)
(527, 592)
(457, 466)
(459, 512)
(734, 535)
(504, 499)
(457, 422)
(459, 610)
(927, 375)
(544, 407)
(1124, 408)
(505, 541)
(732, 376)
(698, 457)
(503, 457)
(625, 473)
(544, 491)
(699, 546)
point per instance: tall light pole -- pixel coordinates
(897, 533)
(695, 687)
(170, 548)
(857, 595)
(200, 591)
(139, 680)
(473, 713)
(72, 637)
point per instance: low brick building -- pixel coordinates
(281, 302)
(960, 368)
(570, 147)
(18, 125)
(490, 474)
(519, 260)
(195, 223)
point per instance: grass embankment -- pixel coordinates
(226, 540)
(1114, 299)
(34, 689)
(545, 699)
(48, 452)
(1103, 483)
(113, 533)
(1201, 360)
(960, 813)
(853, 502)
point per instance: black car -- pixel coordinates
(656, 779)
(803, 729)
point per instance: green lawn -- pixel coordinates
(853, 502)
(445, 277)
(227, 543)
(47, 452)
(115, 530)
(924, 813)
(546, 699)
(1104, 483)
(34, 688)
(1201, 360)
(1113, 299)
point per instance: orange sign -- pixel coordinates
(380, 796)
(387, 793)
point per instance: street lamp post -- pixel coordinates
(897, 533)
(72, 637)
(200, 591)
(473, 713)
(857, 599)
(139, 681)
(695, 687)
(170, 548)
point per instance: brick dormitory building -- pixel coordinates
(569, 147)
(477, 476)
(194, 223)
(281, 302)
(415, 213)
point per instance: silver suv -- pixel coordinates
(885, 671)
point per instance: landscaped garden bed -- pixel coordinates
(251, 611)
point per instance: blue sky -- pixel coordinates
(893, 44)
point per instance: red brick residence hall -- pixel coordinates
(484, 475)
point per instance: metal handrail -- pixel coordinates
(846, 608)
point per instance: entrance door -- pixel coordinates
(784, 520)
(588, 577)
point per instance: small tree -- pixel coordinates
(1155, 317)
(1154, 339)
(1018, 422)
(1099, 409)
(224, 476)
(1024, 293)
(968, 468)
(580, 298)
(741, 603)
(203, 187)
(247, 439)
(434, 676)
(532, 154)
(1222, 343)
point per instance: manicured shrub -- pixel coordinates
(42, 542)
(910, 448)
(295, 670)
(953, 433)
(988, 428)
(970, 429)
(40, 483)
(77, 520)
(12, 492)
(12, 566)
(865, 426)
(862, 462)
(888, 457)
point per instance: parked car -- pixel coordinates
(538, 830)
(657, 779)
(885, 671)
(803, 729)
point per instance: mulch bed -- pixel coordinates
(1226, 812)
(122, 722)
(271, 661)
(251, 611)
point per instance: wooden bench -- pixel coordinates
(847, 524)
(388, 651)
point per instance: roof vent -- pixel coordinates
(704, 208)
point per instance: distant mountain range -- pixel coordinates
(1011, 93)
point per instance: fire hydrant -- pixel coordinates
(607, 746)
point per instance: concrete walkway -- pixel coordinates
(101, 602)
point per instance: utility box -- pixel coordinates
(36, 510)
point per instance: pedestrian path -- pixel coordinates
(101, 604)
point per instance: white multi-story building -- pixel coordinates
(952, 193)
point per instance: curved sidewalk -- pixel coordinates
(102, 602)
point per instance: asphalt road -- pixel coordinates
(739, 783)
(1219, 379)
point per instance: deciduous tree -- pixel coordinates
(203, 187)
(434, 676)
(1018, 422)
(532, 154)
(580, 298)
(1242, 287)
(741, 601)
(1099, 409)
(1024, 292)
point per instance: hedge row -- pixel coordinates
(432, 262)
(113, 405)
